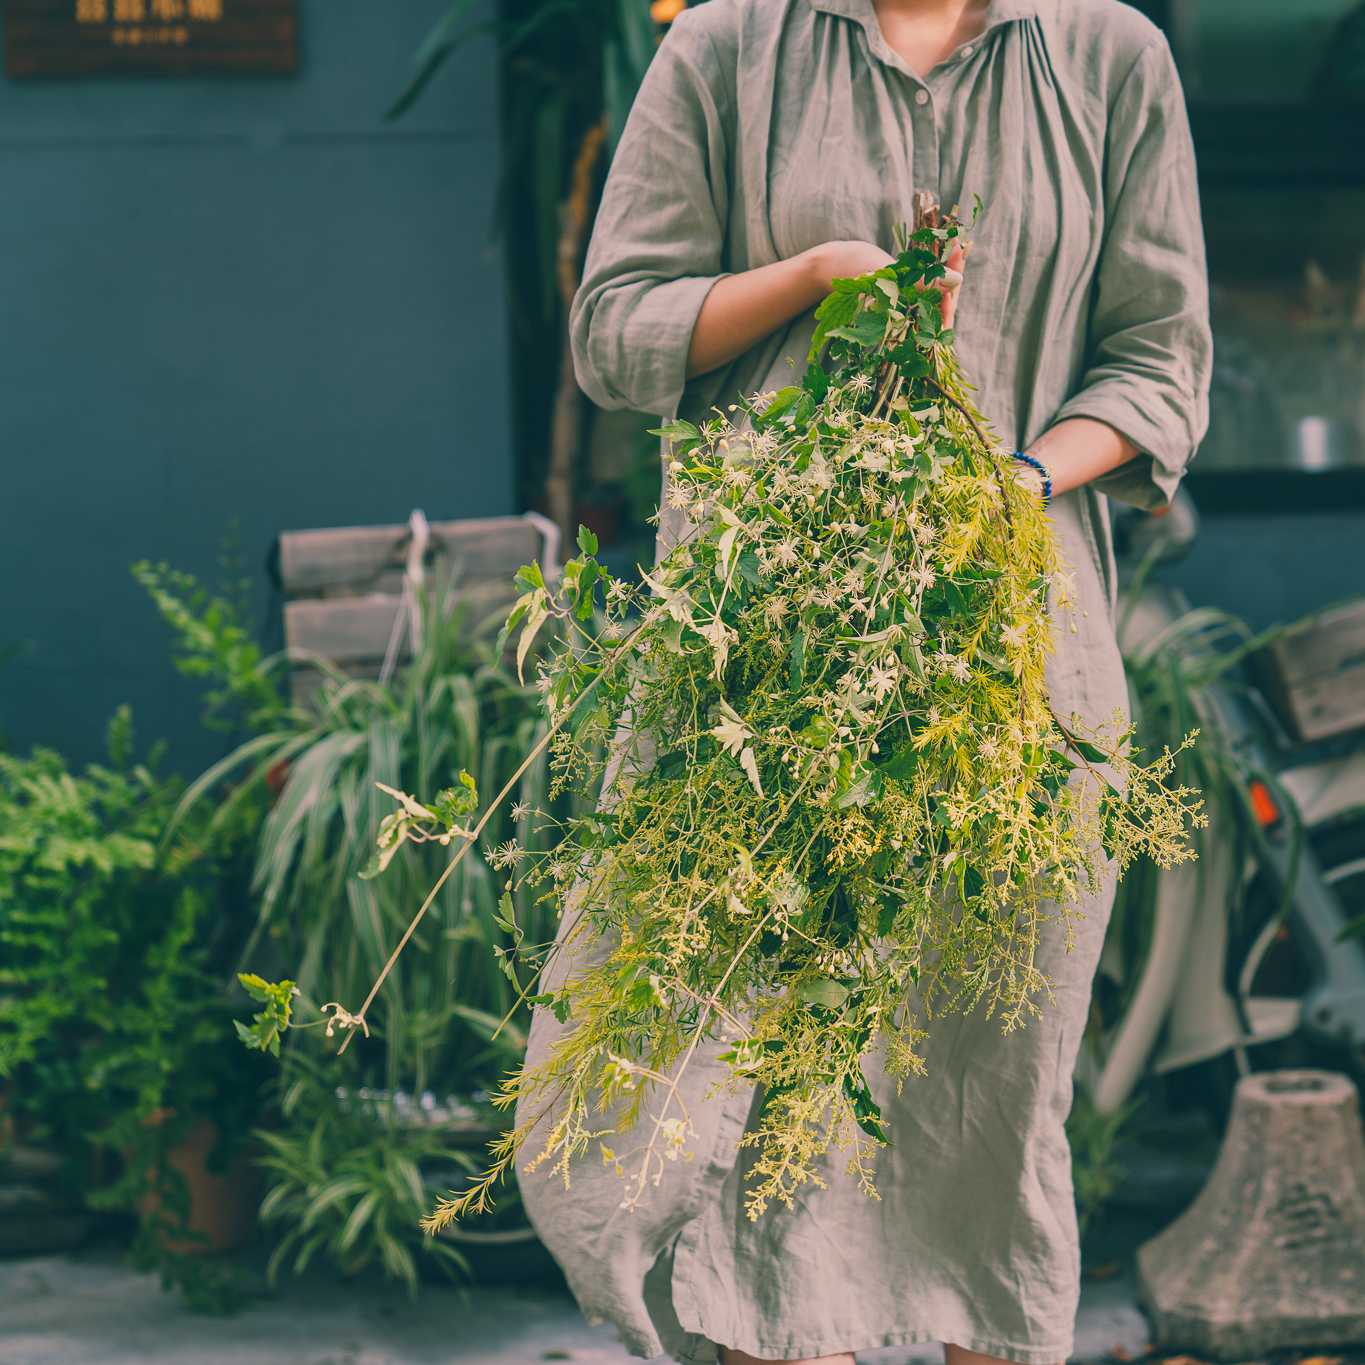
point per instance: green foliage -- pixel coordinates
(348, 1182)
(452, 718)
(267, 1025)
(1097, 1171)
(214, 642)
(1172, 677)
(111, 1017)
(331, 901)
(69, 843)
(843, 805)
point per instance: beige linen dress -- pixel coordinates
(764, 127)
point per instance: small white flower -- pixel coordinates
(504, 855)
(882, 679)
(776, 608)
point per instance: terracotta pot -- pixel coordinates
(222, 1205)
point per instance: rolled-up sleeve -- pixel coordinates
(1149, 343)
(658, 242)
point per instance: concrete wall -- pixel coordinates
(232, 298)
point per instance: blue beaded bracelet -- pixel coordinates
(1035, 463)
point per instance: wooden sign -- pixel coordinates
(80, 37)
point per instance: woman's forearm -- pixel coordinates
(741, 309)
(1079, 449)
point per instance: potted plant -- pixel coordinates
(114, 1025)
(347, 1172)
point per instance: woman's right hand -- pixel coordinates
(739, 310)
(842, 260)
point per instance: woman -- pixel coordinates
(772, 147)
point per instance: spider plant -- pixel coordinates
(453, 706)
(1174, 676)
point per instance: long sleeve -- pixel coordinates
(658, 241)
(1149, 344)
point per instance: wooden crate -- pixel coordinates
(1315, 674)
(343, 586)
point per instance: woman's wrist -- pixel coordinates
(1033, 473)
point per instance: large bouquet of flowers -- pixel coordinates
(838, 800)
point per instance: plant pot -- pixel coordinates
(222, 1204)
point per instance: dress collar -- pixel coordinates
(997, 11)
(863, 12)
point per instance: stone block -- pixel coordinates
(1271, 1254)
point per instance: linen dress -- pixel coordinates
(764, 127)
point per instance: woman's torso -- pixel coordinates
(831, 135)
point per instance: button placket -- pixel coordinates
(925, 128)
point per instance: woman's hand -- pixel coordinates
(832, 261)
(740, 310)
(954, 263)
(842, 260)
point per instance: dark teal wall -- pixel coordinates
(232, 298)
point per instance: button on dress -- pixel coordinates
(764, 127)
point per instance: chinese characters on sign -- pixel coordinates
(75, 37)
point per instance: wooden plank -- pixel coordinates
(1316, 675)
(357, 629)
(1322, 707)
(368, 558)
(1335, 641)
(343, 629)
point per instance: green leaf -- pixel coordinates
(822, 990)
(534, 620)
(796, 667)
(682, 434)
(529, 577)
(587, 540)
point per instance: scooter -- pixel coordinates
(1253, 957)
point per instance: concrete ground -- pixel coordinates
(90, 1309)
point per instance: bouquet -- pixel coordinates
(836, 800)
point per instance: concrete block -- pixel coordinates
(1271, 1254)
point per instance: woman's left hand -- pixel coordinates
(954, 263)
